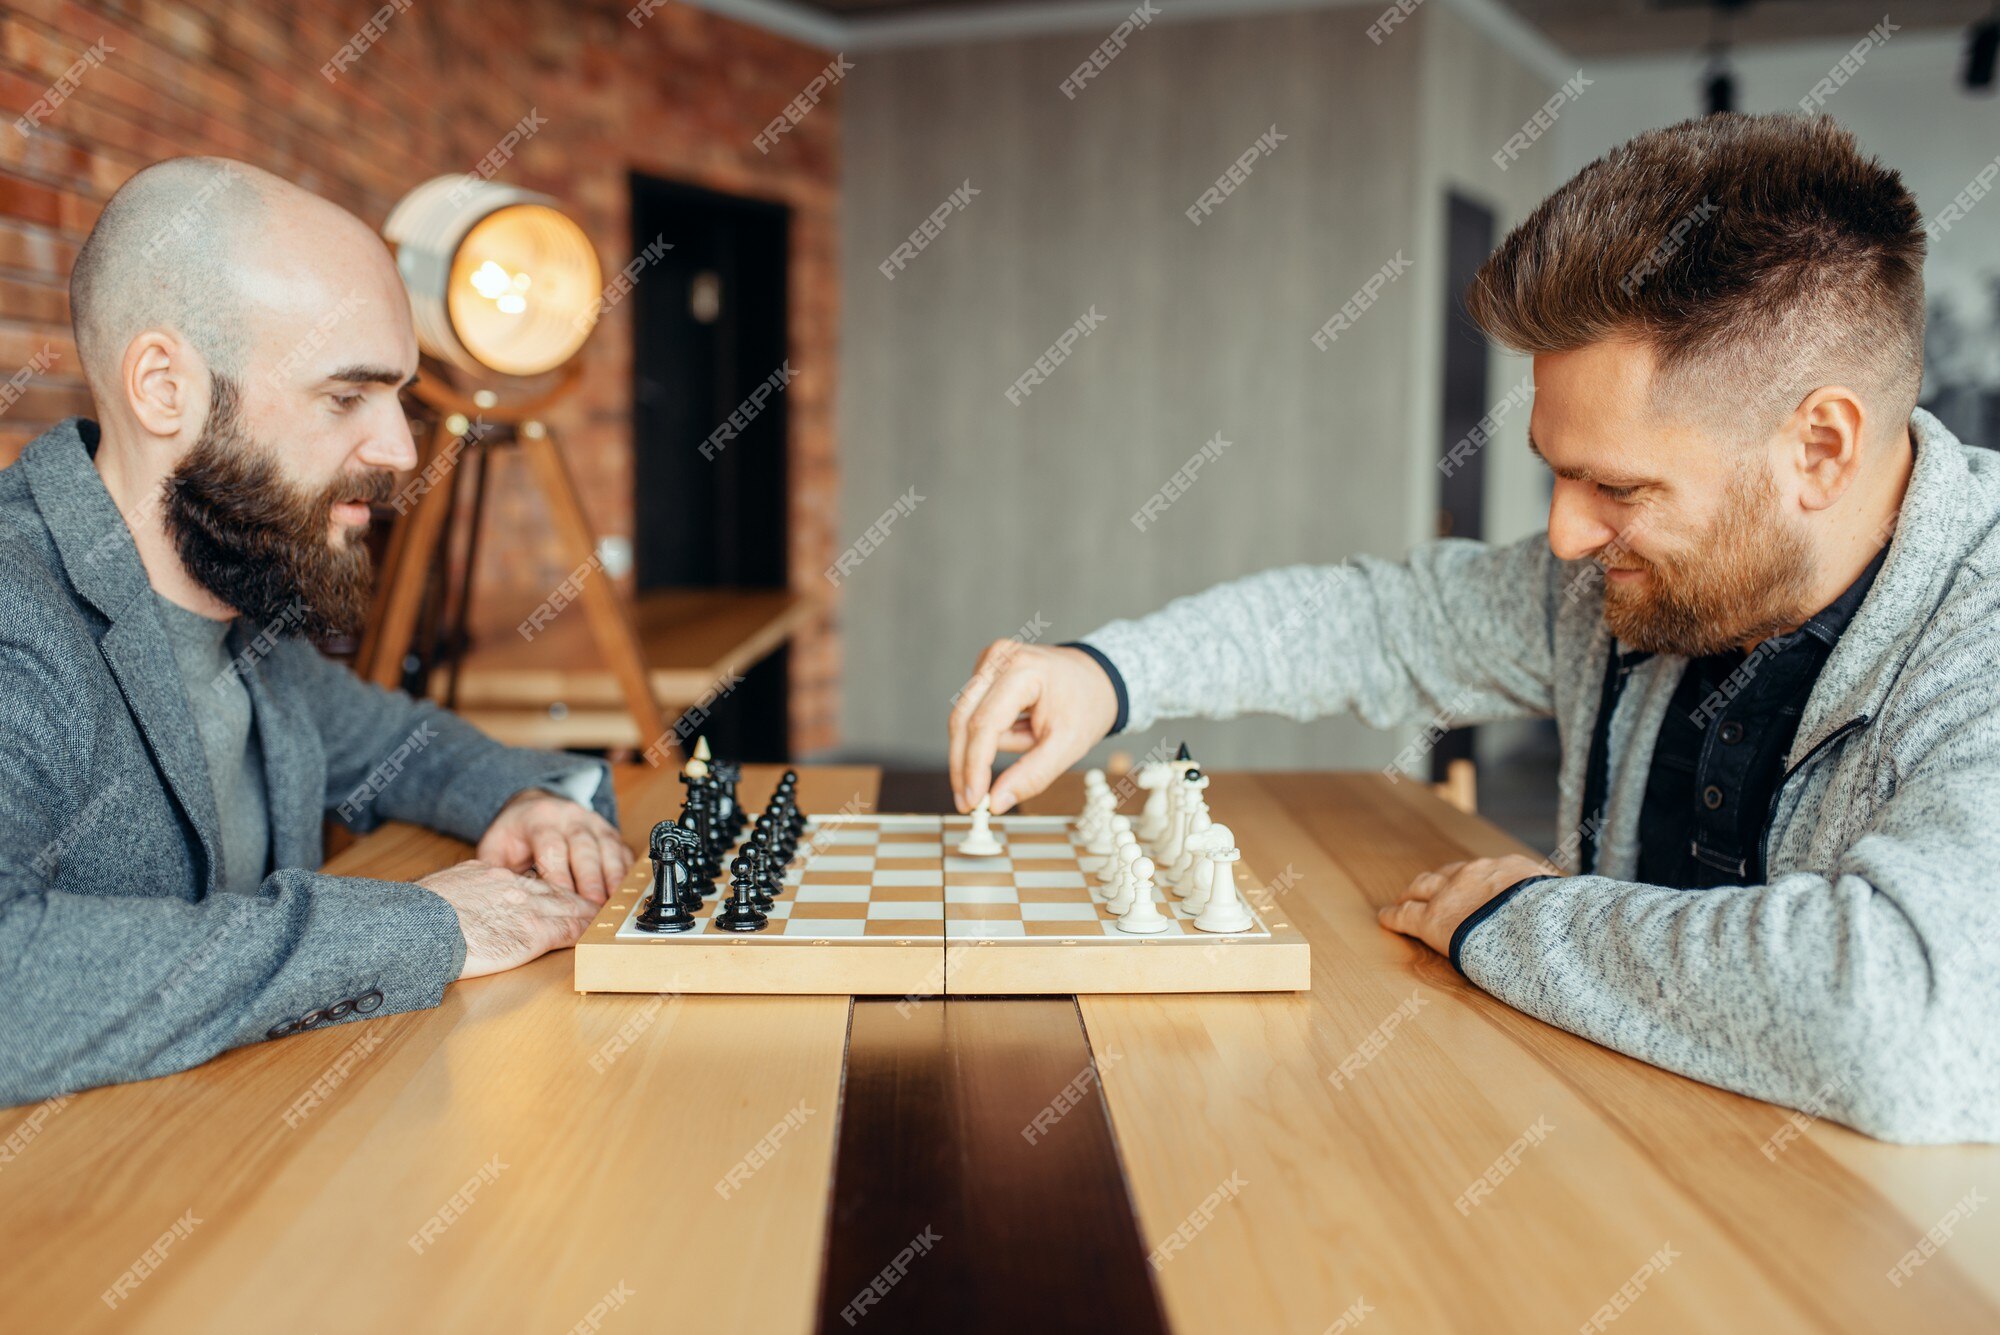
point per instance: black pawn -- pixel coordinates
(762, 892)
(785, 819)
(700, 883)
(665, 911)
(739, 913)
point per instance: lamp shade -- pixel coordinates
(500, 279)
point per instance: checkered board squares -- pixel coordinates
(1044, 884)
(867, 876)
(885, 906)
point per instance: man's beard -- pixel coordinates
(260, 544)
(1745, 579)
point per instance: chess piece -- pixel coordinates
(1119, 900)
(1185, 792)
(1121, 835)
(667, 909)
(1143, 918)
(727, 774)
(1225, 911)
(1094, 823)
(1194, 819)
(763, 893)
(1200, 883)
(1152, 778)
(740, 913)
(979, 841)
(700, 883)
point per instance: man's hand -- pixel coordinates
(1438, 901)
(1054, 704)
(507, 920)
(569, 846)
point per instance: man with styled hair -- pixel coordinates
(1764, 616)
(170, 739)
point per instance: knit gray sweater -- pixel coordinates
(1861, 982)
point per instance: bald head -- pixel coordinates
(223, 255)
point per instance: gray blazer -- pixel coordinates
(120, 957)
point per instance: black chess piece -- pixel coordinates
(727, 774)
(701, 801)
(666, 910)
(739, 913)
(1182, 754)
(784, 826)
(700, 883)
(764, 891)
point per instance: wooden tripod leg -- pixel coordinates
(609, 622)
(413, 544)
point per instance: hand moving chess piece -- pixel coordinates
(979, 841)
(1144, 917)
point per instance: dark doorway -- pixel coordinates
(1462, 468)
(709, 476)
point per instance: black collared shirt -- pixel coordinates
(1720, 753)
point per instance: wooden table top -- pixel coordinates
(523, 1157)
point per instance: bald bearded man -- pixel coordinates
(170, 739)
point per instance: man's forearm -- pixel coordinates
(173, 983)
(1812, 993)
(1460, 630)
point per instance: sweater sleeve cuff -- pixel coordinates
(1482, 913)
(1117, 683)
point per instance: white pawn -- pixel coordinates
(1225, 911)
(1144, 917)
(1187, 794)
(1121, 895)
(1152, 777)
(1121, 835)
(1179, 874)
(979, 841)
(1201, 883)
(1095, 822)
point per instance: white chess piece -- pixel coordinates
(1144, 917)
(1200, 882)
(1121, 835)
(1195, 820)
(979, 841)
(1095, 822)
(1120, 897)
(1152, 777)
(1187, 793)
(1226, 911)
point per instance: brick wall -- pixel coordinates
(682, 95)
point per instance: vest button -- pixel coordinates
(1711, 797)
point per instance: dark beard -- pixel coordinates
(258, 543)
(1742, 582)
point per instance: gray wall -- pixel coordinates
(1027, 508)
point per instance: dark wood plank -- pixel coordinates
(954, 1208)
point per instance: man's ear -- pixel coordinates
(165, 382)
(1824, 445)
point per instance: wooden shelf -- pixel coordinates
(552, 691)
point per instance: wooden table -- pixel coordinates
(606, 1153)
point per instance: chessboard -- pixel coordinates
(885, 905)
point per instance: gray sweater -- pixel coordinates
(1862, 981)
